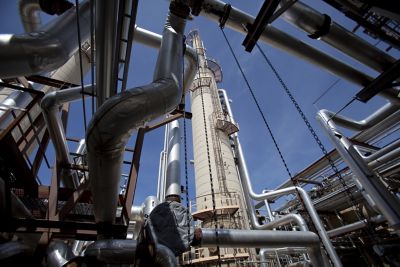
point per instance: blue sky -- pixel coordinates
(306, 82)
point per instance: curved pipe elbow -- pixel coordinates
(29, 14)
(45, 50)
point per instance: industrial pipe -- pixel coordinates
(29, 12)
(14, 248)
(355, 226)
(59, 254)
(173, 176)
(289, 190)
(382, 199)
(50, 105)
(106, 32)
(237, 19)
(366, 123)
(114, 122)
(249, 194)
(45, 50)
(234, 238)
(123, 252)
(312, 22)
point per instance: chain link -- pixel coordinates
(273, 138)
(313, 133)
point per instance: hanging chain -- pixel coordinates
(312, 131)
(209, 165)
(186, 157)
(272, 136)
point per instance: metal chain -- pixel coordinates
(312, 131)
(186, 158)
(271, 134)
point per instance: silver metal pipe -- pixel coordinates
(106, 31)
(173, 177)
(152, 39)
(114, 122)
(355, 226)
(50, 105)
(58, 254)
(247, 187)
(383, 200)
(383, 151)
(212, 9)
(45, 50)
(14, 248)
(259, 239)
(29, 13)
(311, 21)
(366, 123)
(394, 154)
(249, 194)
(268, 207)
(123, 252)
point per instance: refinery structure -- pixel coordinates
(72, 198)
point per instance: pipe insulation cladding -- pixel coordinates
(44, 50)
(114, 122)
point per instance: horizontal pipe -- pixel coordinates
(249, 193)
(355, 226)
(237, 19)
(310, 20)
(366, 123)
(50, 105)
(124, 251)
(378, 195)
(234, 238)
(44, 50)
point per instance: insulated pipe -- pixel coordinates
(233, 238)
(123, 252)
(14, 248)
(247, 187)
(311, 21)
(106, 31)
(214, 9)
(383, 200)
(152, 39)
(355, 226)
(383, 151)
(113, 123)
(50, 105)
(394, 154)
(366, 123)
(173, 177)
(29, 12)
(45, 50)
(58, 254)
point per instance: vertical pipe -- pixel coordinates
(173, 176)
(387, 203)
(106, 27)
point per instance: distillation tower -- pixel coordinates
(218, 187)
